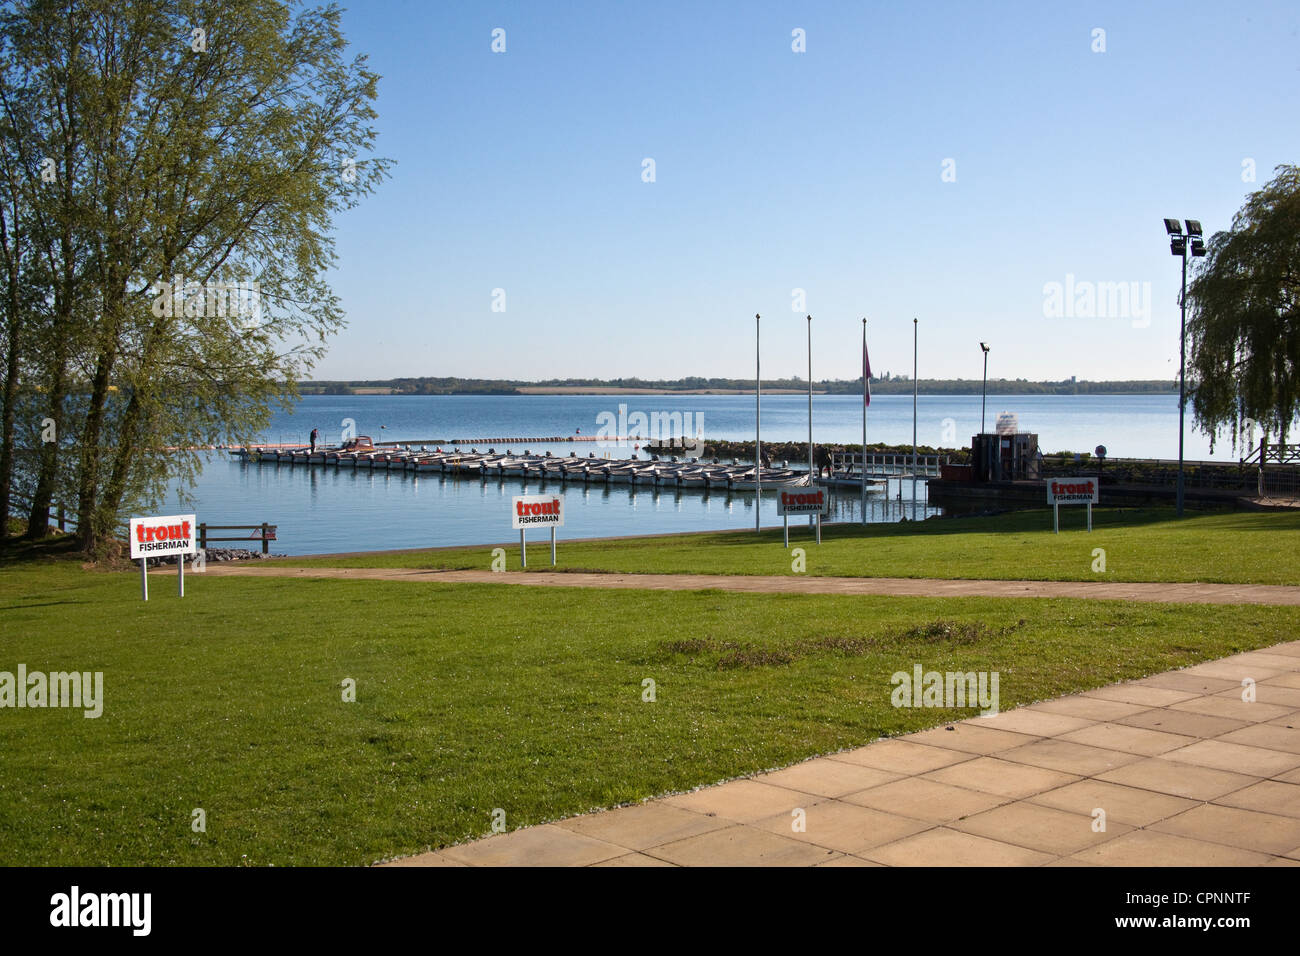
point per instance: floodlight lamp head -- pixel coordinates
(1198, 246)
(1193, 227)
(984, 347)
(1178, 245)
(1173, 227)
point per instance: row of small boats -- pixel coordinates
(686, 474)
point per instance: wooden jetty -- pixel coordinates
(655, 471)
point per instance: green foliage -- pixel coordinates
(222, 160)
(1243, 319)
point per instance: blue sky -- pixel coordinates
(776, 170)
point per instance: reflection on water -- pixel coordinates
(321, 510)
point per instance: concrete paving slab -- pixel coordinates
(1238, 758)
(945, 847)
(1133, 740)
(1192, 683)
(846, 827)
(1151, 848)
(972, 738)
(743, 801)
(1126, 805)
(1232, 709)
(1178, 779)
(1093, 708)
(1181, 722)
(1000, 777)
(1141, 694)
(1270, 736)
(828, 778)
(634, 859)
(1041, 828)
(642, 826)
(1267, 796)
(742, 846)
(924, 799)
(1235, 827)
(1069, 757)
(1267, 694)
(902, 756)
(1037, 723)
(546, 845)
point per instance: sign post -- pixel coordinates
(161, 536)
(1071, 491)
(529, 511)
(802, 503)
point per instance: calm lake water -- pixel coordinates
(320, 511)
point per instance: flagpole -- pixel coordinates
(812, 482)
(758, 443)
(865, 386)
(914, 340)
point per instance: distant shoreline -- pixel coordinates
(534, 390)
(630, 390)
(701, 386)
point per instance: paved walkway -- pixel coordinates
(1181, 769)
(765, 584)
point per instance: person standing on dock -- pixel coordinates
(313, 441)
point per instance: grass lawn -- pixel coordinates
(1140, 545)
(471, 698)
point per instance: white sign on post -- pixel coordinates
(532, 511)
(159, 537)
(1071, 491)
(802, 503)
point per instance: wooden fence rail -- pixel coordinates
(264, 532)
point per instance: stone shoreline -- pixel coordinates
(218, 555)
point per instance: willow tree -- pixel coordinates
(198, 146)
(1243, 319)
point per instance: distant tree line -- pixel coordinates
(879, 386)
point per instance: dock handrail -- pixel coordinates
(886, 464)
(1275, 453)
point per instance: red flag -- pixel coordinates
(866, 376)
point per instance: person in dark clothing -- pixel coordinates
(313, 440)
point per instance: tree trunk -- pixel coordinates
(8, 410)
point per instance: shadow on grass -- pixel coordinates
(1019, 522)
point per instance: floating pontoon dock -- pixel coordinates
(690, 473)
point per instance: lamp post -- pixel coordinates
(812, 481)
(985, 395)
(1180, 245)
(758, 440)
(914, 342)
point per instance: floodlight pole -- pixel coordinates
(914, 387)
(865, 386)
(1181, 244)
(812, 482)
(985, 394)
(758, 443)
(1182, 375)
